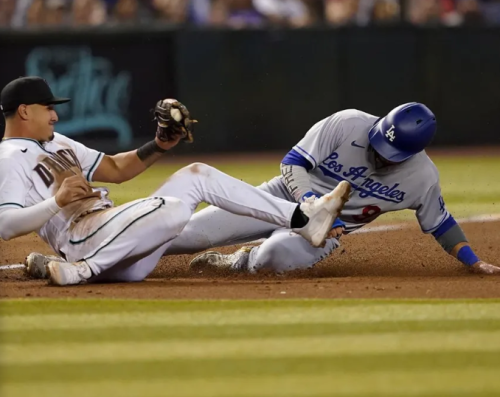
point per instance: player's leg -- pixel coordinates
(126, 271)
(215, 227)
(121, 236)
(210, 227)
(283, 251)
(200, 183)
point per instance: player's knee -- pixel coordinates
(192, 173)
(175, 214)
(275, 257)
(198, 169)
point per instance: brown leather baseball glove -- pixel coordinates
(173, 120)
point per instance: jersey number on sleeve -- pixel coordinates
(368, 213)
(442, 206)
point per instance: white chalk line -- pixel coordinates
(406, 225)
(9, 267)
(367, 229)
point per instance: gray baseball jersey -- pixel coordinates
(338, 149)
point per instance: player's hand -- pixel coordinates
(167, 145)
(485, 268)
(336, 232)
(173, 119)
(72, 189)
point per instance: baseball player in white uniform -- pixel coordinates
(384, 161)
(45, 187)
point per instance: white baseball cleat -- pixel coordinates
(236, 261)
(65, 273)
(322, 212)
(35, 264)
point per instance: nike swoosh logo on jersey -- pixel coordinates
(353, 143)
(24, 151)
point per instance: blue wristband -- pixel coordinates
(338, 223)
(467, 256)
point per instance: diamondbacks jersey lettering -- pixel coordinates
(62, 163)
(31, 173)
(338, 149)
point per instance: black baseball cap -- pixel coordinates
(28, 91)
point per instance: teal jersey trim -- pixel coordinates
(27, 139)
(16, 204)
(104, 224)
(91, 171)
(130, 224)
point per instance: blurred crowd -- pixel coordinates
(239, 14)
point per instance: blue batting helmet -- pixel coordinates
(405, 131)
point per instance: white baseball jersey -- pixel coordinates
(31, 173)
(136, 234)
(338, 149)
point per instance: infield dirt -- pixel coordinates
(389, 264)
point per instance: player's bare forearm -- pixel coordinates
(174, 124)
(125, 166)
(122, 167)
(119, 168)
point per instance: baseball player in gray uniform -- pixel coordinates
(46, 187)
(384, 161)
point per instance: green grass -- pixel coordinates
(313, 348)
(469, 184)
(250, 348)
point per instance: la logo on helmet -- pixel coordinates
(390, 133)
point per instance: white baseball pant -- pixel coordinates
(125, 243)
(281, 251)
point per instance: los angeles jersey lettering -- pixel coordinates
(338, 149)
(31, 173)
